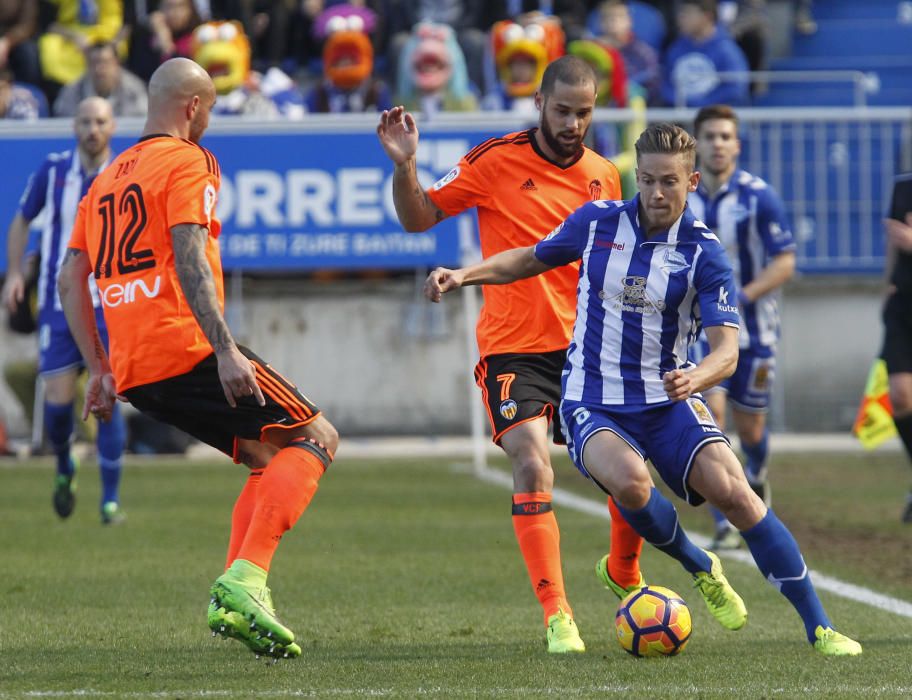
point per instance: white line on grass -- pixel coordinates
(823, 582)
(440, 691)
(676, 690)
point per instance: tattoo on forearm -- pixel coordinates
(197, 283)
(405, 183)
(71, 254)
(100, 353)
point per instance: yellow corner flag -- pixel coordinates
(874, 422)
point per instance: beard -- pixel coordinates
(561, 149)
(92, 148)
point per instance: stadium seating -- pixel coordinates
(874, 37)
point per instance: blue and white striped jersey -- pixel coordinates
(54, 191)
(748, 217)
(640, 301)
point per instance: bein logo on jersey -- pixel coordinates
(116, 294)
(634, 298)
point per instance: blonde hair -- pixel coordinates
(668, 139)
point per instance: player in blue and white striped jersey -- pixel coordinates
(54, 191)
(650, 276)
(748, 216)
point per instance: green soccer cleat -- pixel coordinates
(241, 608)
(601, 570)
(232, 625)
(112, 514)
(65, 491)
(721, 599)
(563, 635)
(831, 643)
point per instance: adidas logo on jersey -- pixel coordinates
(528, 185)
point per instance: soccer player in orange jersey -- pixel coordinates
(523, 185)
(147, 232)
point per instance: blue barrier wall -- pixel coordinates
(317, 194)
(295, 201)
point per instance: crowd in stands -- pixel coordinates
(273, 58)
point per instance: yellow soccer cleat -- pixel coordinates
(831, 643)
(601, 570)
(563, 635)
(721, 599)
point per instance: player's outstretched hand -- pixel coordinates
(398, 134)
(440, 281)
(677, 384)
(238, 377)
(100, 395)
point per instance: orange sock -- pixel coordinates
(626, 545)
(539, 541)
(286, 487)
(241, 515)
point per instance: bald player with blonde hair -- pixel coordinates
(148, 233)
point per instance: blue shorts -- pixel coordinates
(750, 386)
(57, 350)
(669, 435)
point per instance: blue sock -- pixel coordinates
(657, 523)
(58, 421)
(756, 457)
(779, 560)
(111, 439)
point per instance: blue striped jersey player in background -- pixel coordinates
(748, 217)
(56, 189)
(651, 275)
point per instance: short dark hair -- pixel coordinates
(708, 6)
(711, 112)
(669, 139)
(570, 70)
(103, 46)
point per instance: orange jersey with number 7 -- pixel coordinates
(124, 225)
(521, 196)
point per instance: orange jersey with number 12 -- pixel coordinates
(124, 225)
(521, 196)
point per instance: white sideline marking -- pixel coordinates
(822, 582)
(441, 691)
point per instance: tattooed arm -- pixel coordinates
(398, 134)
(415, 209)
(236, 372)
(73, 286)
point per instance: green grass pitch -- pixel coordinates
(403, 579)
